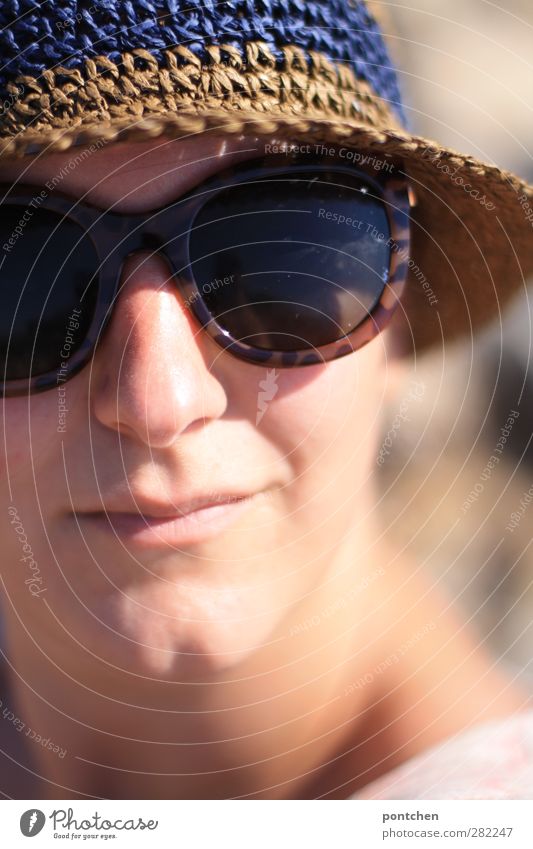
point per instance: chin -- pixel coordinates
(167, 635)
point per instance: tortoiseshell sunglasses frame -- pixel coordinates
(115, 236)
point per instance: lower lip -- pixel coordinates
(178, 531)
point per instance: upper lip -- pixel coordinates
(152, 509)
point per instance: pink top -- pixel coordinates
(493, 760)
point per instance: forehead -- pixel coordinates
(114, 172)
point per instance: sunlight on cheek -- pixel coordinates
(314, 405)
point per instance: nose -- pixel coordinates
(150, 378)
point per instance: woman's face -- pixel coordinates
(159, 419)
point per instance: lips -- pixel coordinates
(151, 510)
(154, 524)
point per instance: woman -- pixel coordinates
(197, 598)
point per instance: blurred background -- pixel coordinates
(467, 80)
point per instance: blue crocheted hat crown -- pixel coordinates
(82, 62)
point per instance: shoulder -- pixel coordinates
(493, 760)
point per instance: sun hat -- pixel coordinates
(81, 73)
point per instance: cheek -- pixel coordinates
(330, 410)
(31, 439)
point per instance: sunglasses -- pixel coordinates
(285, 261)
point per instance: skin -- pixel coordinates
(191, 672)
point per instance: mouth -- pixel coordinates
(158, 525)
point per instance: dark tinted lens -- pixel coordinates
(293, 260)
(45, 292)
